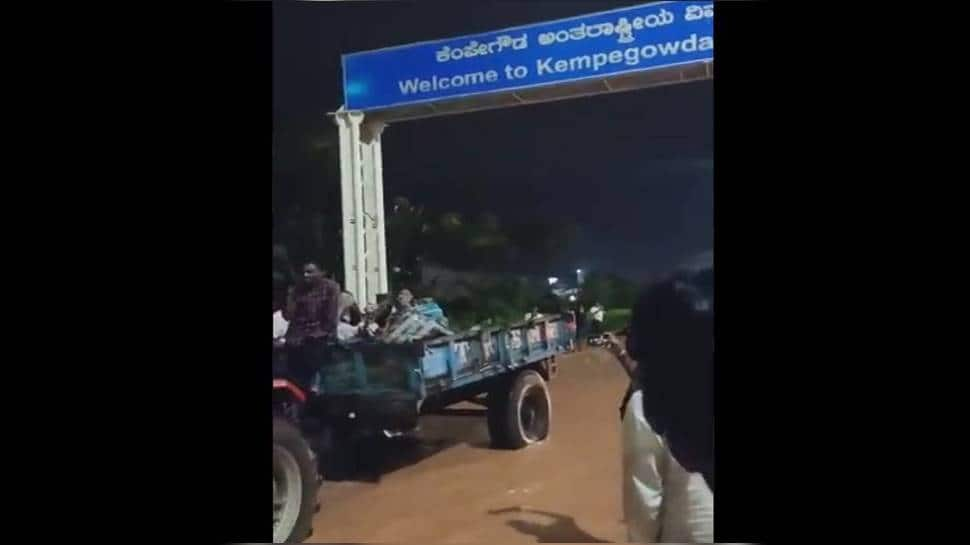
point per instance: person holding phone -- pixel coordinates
(668, 412)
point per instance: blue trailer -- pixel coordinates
(369, 387)
(381, 386)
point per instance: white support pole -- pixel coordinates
(352, 209)
(362, 200)
(360, 259)
(346, 199)
(374, 209)
(370, 235)
(382, 285)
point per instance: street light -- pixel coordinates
(553, 280)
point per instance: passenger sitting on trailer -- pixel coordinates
(412, 320)
(280, 325)
(349, 325)
(369, 327)
(392, 310)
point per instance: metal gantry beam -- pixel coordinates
(361, 167)
(696, 71)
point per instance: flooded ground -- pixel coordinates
(447, 486)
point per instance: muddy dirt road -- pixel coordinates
(448, 486)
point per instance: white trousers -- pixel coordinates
(662, 501)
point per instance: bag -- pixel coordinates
(429, 309)
(424, 321)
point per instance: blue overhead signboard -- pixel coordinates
(609, 43)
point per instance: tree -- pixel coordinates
(541, 241)
(405, 227)
(306, 196)
(609, 289)
(489, 246)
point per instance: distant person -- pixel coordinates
(597, 315)
(311, 309)
(668, 414)
(571, 328)
(581, 325)
(533, 315)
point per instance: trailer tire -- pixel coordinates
(520, 414)
(295, 484)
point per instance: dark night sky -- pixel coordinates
(634, 170)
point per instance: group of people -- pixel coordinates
(596, 314)
(667, 415)
(580, 322)
(315, 313)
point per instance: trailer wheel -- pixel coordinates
(520, 414)
(295, 484)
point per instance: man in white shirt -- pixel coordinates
(668, 420)
(597, 315)
(348, 326)
(346, 331)
(280, 325)
(534, 315)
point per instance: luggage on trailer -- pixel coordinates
(425, 320)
